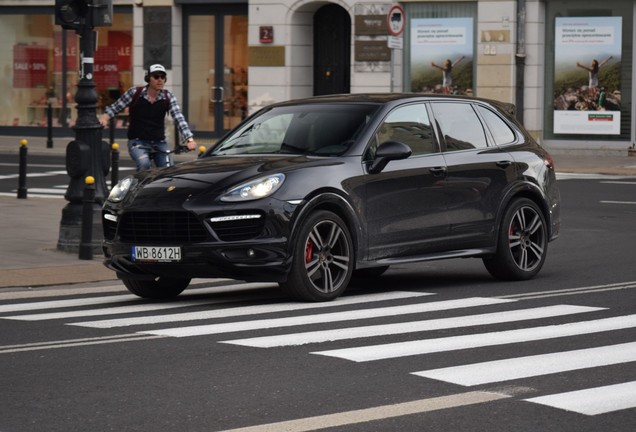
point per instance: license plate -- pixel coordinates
(156, 253)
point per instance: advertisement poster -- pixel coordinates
(442, 55)
(106, 68)
(587, 64)
(30, 66)
(72, 50)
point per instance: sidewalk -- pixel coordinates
(29, 228)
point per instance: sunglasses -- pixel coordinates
(159, 76)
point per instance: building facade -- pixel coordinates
(566, 64)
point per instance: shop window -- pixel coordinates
(40, 64)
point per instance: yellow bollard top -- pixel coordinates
(115, 147)
(24, 142)
(89, 180)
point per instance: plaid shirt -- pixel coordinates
(174, 109)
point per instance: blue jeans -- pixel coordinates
(156, 151)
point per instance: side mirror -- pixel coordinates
(386, 152)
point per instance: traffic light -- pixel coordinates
(102, 13)
(71, 14)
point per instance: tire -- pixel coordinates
(162, 288)
(322, 259)
(522, 242)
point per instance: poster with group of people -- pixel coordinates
(587, 87)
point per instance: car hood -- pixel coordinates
(212, 176)
(218, 169)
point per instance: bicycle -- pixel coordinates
(153, 151)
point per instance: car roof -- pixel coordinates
(384, 98)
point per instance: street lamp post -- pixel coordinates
(87, 155)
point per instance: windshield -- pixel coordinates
(317, 130)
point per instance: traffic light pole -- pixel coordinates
(87, 155)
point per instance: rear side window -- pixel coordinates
(501, 132)
(460, 126)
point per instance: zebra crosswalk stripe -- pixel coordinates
(251, 310)
(593, 401)
(530, 366)
(410, 327)
(349, 315)
(426, 346)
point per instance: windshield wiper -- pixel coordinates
(288, 148)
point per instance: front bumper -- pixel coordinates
(254, 261)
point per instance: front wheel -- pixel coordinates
(161, 288)
(322, 260)
(522, 243)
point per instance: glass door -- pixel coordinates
(216, 69)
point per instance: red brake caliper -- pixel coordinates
(309, 251)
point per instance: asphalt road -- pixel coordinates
(46, 175)
(433, 346)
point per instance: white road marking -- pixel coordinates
(572, 291)
(53, 191)
(599, 400)
(530, 366)
(619, 202)
(30, 195)
(403, 349)
(376, 413)
(249, 310)
(410, 327)
(590, 176)
(91, 301)
(8, 349)
(325, 318)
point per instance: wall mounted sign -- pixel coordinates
(372, 51)
(266, 55)
(266, 34)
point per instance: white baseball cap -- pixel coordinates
(157, 68)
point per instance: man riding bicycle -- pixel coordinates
(147, 109)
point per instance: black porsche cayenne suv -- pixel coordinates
(310, 193)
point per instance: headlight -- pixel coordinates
(255, 189)
(120, 190)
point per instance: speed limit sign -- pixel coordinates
(395, 20)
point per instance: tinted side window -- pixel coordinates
(409, 125)
(499, 129)
(460, 125)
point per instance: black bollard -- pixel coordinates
(111, 130)
(114, 165)
(86, 242)
(49, 125)
(22, 189)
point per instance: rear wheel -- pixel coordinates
(522, 244)
(161, 288)
(323, 259)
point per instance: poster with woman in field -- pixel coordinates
(442, 55)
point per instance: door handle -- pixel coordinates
(504, 164)
(438, 171)
(213, 92)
